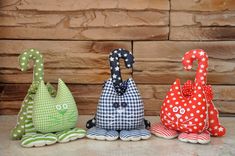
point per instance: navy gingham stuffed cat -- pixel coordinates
(120, 111)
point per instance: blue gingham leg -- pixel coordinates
(102, 134)
(134, 135)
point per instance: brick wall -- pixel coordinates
(75, 38)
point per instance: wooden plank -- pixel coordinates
(93, 33)
(89, 25)
(65, 48)
(97, 18)
(170, 77)
(203, 5)
(30, 19)
(87, 97)
(202, 33)
(78, 5)
(73, 61)
(77, 76)
(109, 18)
(179, 18)
(159, 62)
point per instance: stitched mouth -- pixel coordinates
(120, 122)
(177, 123)
(120, 119)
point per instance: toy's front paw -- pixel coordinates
(102, 134)
(202, 138)
(147, 124)
(38, 140)
(135, 135)
(70, 135)
(91, 123)
(160, 130)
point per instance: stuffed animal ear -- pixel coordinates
(42, 92)
(42, 107)
(42, 97)
(63, 92)
(51, 89)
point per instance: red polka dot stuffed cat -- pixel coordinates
(189, 112)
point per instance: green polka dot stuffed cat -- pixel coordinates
(46, 116)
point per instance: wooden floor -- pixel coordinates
(224, 146)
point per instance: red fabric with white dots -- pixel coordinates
(186, 109)
(184, 114)
(215, 128)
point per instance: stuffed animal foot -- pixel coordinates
(102, 134)
(160, 130)
(38, 140)
(202, 138)
(135, 135)
(70, 135)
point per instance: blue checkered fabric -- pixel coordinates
(135, 133)
(120, 112)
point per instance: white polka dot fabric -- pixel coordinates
(190, 109)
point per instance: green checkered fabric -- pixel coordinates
(54, 114)
(44, 111)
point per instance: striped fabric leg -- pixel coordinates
(160, 130)
(19, 130)
(31, 137)
(29, 127)
(111, 135)
(202, 138)
(70, 135)
(102, 134)
(38, 140)
(134, 135)
(145, 134)
(24, 121)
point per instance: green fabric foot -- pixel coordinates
(38, 140)
(70, 135)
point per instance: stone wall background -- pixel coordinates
(75, 37)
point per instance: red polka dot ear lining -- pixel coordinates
(189, 112)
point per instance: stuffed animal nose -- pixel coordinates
(178, 115)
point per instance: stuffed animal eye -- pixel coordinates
(175, 109)
(123, 104)
(65, 106)
(182, 111)
(115, 104)
(58, 107)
